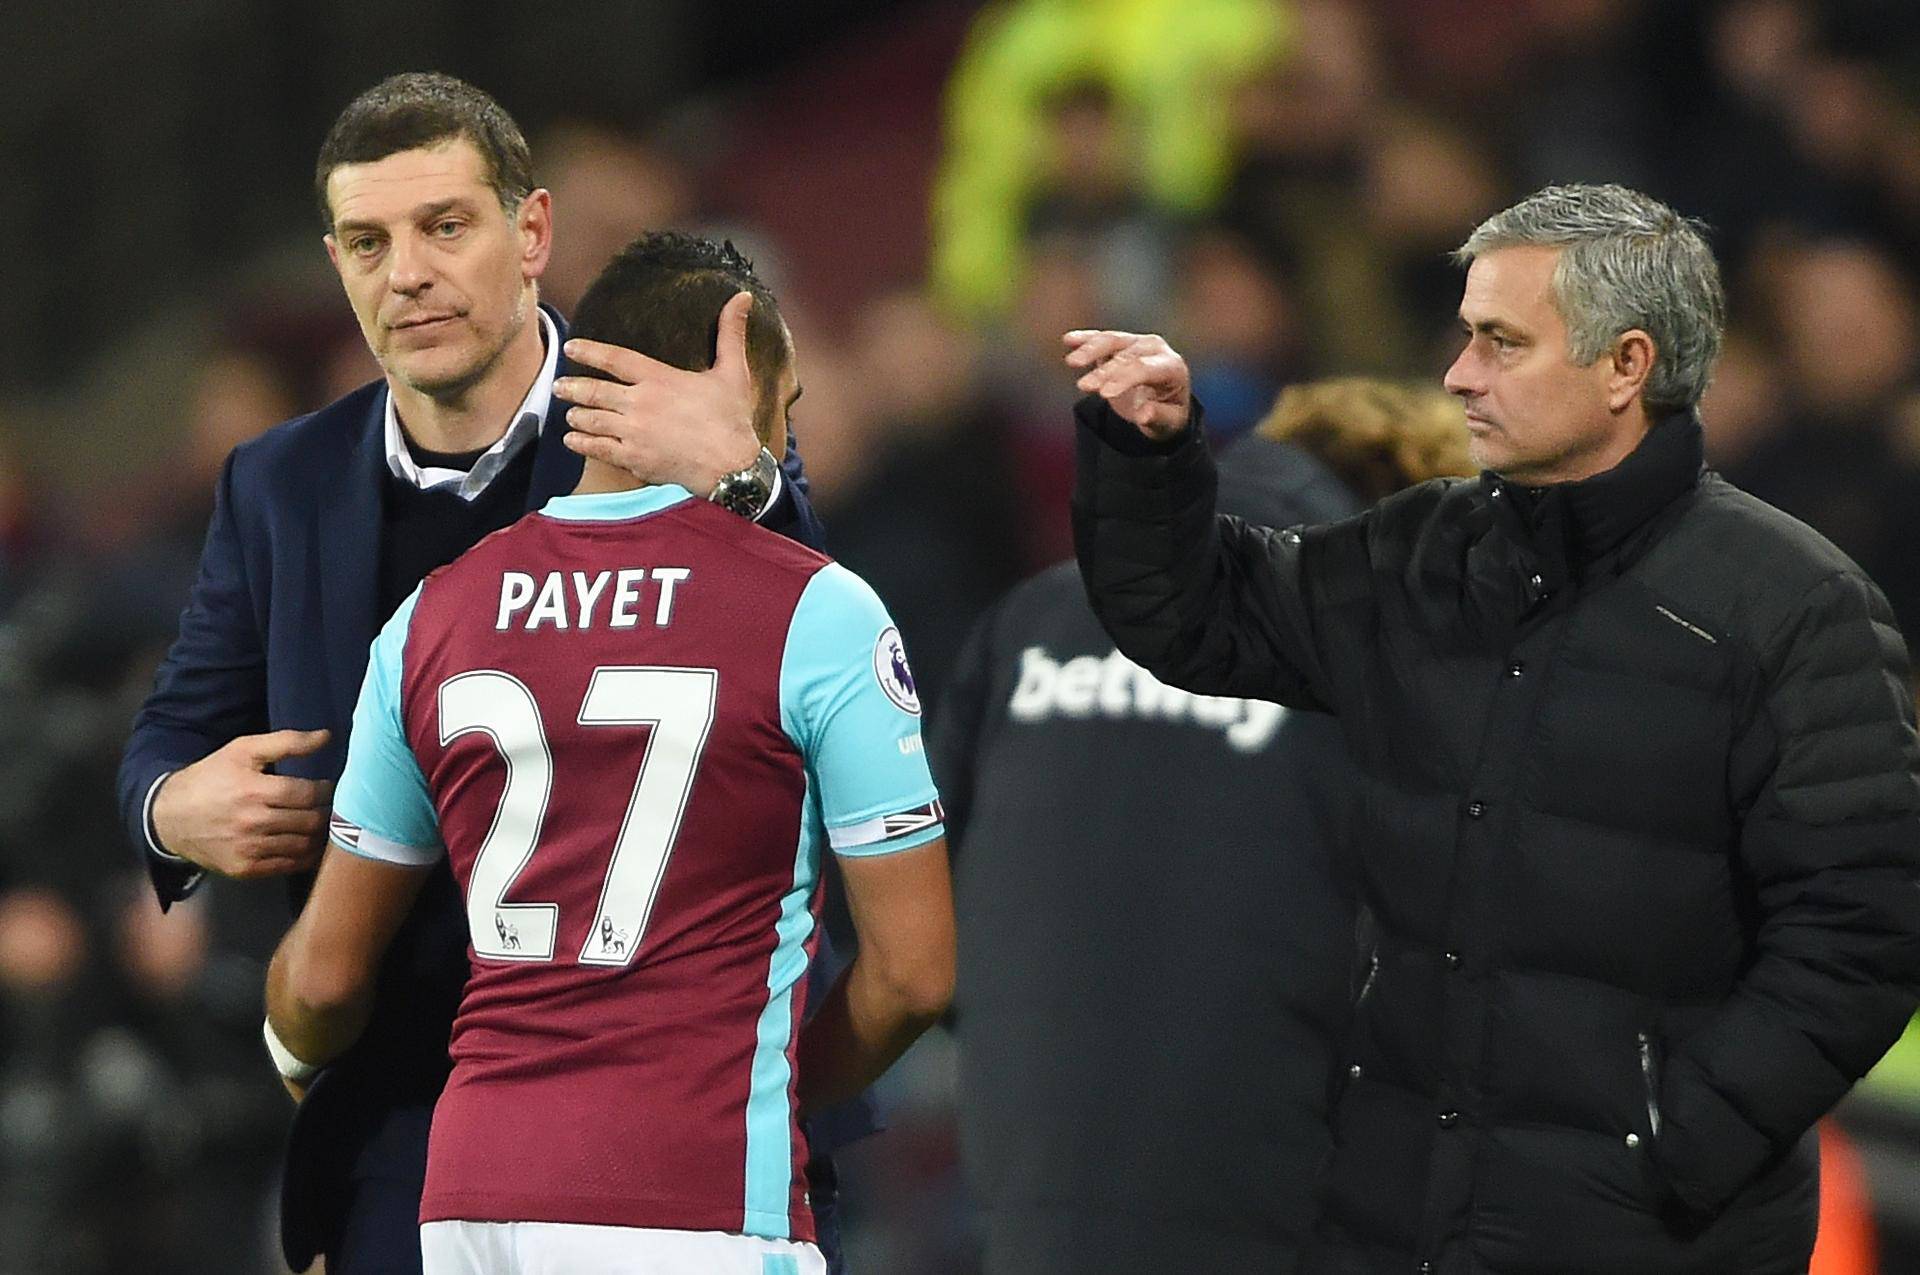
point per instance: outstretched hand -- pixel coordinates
(660, 423)
(1142, 378)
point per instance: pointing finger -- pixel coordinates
(264, 750)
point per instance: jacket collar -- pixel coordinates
(525, 428)
(1568, 527)
(350, 514)
(556, 470)
(349, 565)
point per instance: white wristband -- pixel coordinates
(284, 1060)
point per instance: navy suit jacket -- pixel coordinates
(275, 636)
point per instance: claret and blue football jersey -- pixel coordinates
(634, 723)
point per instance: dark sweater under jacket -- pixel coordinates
(1640, 823)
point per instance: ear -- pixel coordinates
(333, 251)
(1630, 365)
(534, 224)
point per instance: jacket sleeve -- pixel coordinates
(210, 689)
(1830, 845)
(791, 513)
(1206, 603)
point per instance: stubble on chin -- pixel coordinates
(440, 381)
(1482, 456)
(450, 384)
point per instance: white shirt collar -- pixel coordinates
(524, 429)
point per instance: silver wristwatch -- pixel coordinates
(748, 491)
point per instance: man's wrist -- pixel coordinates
(146, 819)
(180, 887)
(773, 493)
(290, 1066)
(749, 491)
(1122, 435)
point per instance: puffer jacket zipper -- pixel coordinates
(1373, 972)
(1650, 1074)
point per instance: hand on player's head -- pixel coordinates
(629, 367)
(1141, 377)
(660, 423)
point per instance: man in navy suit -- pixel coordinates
(324, 524)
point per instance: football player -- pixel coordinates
(633, 722)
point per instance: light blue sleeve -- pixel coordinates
(381, 809)
(848, 702)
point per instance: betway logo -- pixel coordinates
(1116, 687)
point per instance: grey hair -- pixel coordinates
(1629, 262)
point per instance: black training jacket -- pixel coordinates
(1638, 825)
(1156, 936)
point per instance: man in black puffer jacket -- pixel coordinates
(1640, 812)
(1157, 975)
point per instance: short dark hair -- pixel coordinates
(662, 295)
(426, 108)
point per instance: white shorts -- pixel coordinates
(567, 1248)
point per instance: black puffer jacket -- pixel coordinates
(1639, 827)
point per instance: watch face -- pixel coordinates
(745, 491)
(741, 493)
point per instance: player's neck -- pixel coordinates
(597, 476)
(474, 416)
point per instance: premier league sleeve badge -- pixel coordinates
(890, 667)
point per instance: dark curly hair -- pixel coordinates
(662, 295)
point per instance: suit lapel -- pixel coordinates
(556, 471)
(349, 560)
(350, 527)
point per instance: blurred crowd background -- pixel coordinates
(936, 191)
